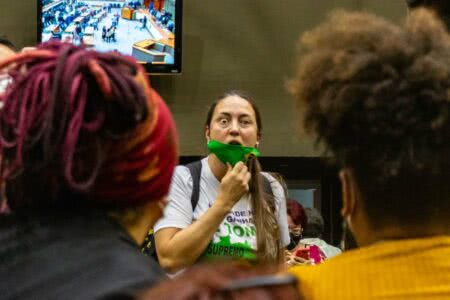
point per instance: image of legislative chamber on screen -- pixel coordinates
(143, 29)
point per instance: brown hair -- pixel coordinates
(263, 205)
(377, 95)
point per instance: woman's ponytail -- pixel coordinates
(264, 216)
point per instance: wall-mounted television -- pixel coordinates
(148, 30)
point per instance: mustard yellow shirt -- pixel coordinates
(401, 269)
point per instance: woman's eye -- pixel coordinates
(223, 121)
(246, 122)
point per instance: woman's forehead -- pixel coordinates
(234, 105)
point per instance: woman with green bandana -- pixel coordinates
(235, 217)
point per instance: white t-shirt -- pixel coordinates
(236, 236)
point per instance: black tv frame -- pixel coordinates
(153, 69)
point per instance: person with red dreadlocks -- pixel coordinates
(88, 152)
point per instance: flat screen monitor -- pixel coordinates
(306, 192)
(148, 30)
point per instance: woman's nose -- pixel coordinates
(234, 128)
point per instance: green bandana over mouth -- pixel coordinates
(231, 154)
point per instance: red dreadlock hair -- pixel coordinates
(61, 116)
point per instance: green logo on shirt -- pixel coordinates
(225, 249)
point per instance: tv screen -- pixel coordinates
(148, 30)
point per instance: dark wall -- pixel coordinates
(229, 44)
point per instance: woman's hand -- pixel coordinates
(299, 261)
(293, 260)
(233, 185)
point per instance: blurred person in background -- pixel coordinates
(297, 222)
(312, 235)
(306, 227)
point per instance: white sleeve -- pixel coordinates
(282, 218)
(178, 212)
(280, 202)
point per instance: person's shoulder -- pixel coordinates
(182, 176)
(276, 186)
(123, 265)
(272, 180)
(133, 264)
(121, 277)
(106, 257)
(181, 173)
(268, 176)
(181, 169)
(204, 167)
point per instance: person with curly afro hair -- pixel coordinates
(441, 7)
(376, 95)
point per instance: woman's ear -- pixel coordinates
(207, 134)
(258, 139)
(349, 193)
